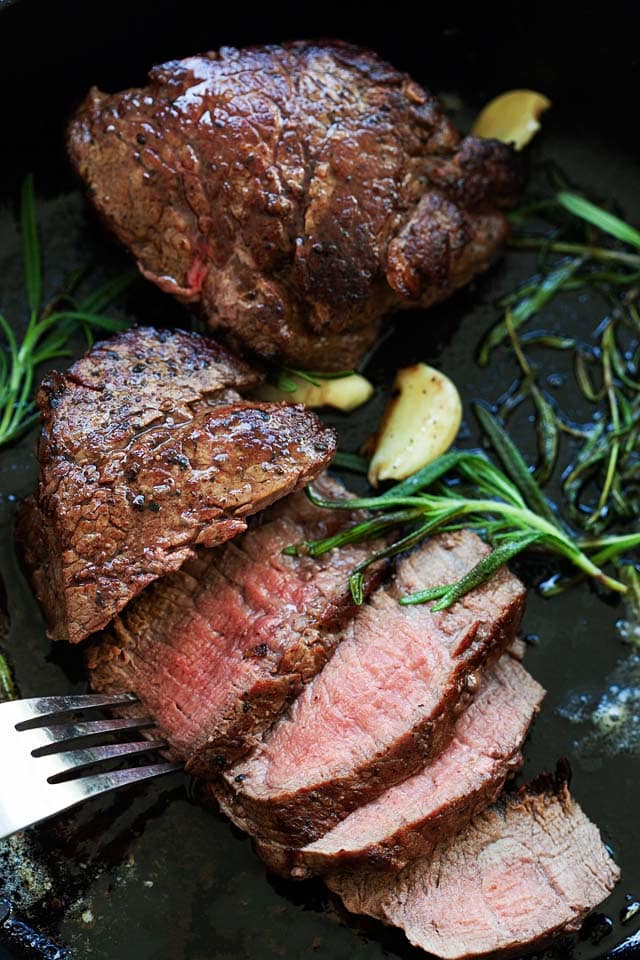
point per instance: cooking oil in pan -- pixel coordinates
(612, 714)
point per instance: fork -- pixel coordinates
(40, 758)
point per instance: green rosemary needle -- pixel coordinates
(466, 489)
(49, 330)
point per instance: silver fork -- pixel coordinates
(38, 754)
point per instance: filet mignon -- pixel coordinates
(296, 192)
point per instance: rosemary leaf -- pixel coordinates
(365, 530)
(479, 574)
(513, 462)
(550, 340)
(362, 503)
(584, 250)
(547, 432)
(602, 219)
(424, 596)
(286, 384)
(48, 331)
(427, 475)
(530, 305)
(314, 376)
(583, 378)
(283, 377)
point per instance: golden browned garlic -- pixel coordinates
(419, 424)
(343, 393)
(513, 117)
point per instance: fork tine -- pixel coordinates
(61, 763)
(44, 800)
(74, 791)
(36, 707)
(44, 757)
(57, 734)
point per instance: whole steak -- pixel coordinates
(146, 452)
(297, 192)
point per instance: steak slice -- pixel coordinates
(295, 192)
(146, 452)
(410, 819)
(384, 705)
(525, 871)
(216, 650)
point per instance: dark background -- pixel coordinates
(51, 51)
(160, 878)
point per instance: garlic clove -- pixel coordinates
(343, 393)
(513, 117)
(421, 421)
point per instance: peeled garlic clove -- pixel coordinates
(343, 393)
(513, 117)
(419, 424)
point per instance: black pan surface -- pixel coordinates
(148, 875)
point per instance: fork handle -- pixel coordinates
(22, 935)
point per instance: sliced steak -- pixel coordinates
(523, 872)
(384, 705)
(216, 650)
(410, 819)
(295, 192)
(146, 452)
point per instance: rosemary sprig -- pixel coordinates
(49, 330)
(601, 481)
(576, 271)
(531, 304)
(509, 509)
(465, 488)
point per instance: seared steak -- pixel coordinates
(216, 650)
(524, 872)
(410, 819)
(147, 451)
(384, 705)
(296, 192)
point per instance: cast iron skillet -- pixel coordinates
(148, 875)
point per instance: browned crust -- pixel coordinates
(146, 452)
(298, 205)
